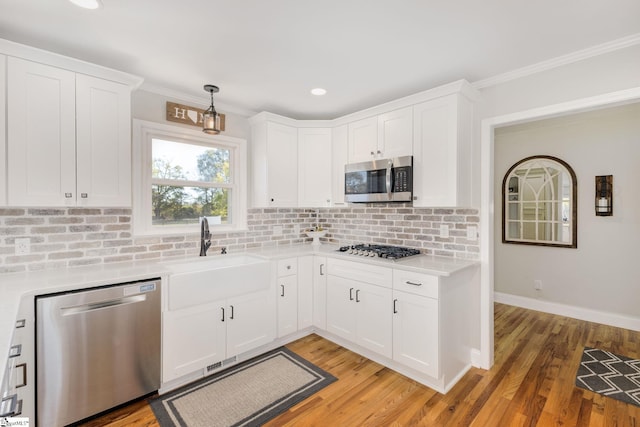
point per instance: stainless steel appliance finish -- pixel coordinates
(382, 251)
(95, 349)
(382, 180)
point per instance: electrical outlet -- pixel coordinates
(277, 230)
(537, 285)
(23, 246)
(472, 232)
(444, 230)
(296, 229)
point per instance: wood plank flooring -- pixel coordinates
(531, 383)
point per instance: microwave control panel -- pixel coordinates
(402, 179)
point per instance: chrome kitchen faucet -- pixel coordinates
(205, 236)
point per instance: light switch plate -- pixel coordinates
(444, 230)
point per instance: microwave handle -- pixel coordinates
(389, 170)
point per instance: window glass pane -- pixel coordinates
(176, 160)
(174, 205)
(529, 231)
(513, 230)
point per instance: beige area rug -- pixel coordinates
(248, 394)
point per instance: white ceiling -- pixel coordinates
(267, 55)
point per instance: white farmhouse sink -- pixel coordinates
(214, 279)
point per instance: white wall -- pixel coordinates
(601, 273)
(152, 107)
(597, 75)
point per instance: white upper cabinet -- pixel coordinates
(363, 140)
(3, 131)
(340, 154)
(442, 162)
(381, 137)
(69, 138)
(395, 133)
(103, 142)
(314, 167)
(275, 165)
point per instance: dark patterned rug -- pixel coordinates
(610, 375)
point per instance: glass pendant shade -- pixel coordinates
(210, 118)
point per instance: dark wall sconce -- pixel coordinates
(604, 195)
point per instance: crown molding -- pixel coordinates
(559, 61)
(201, 100)
(34, 54)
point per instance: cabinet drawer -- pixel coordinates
(360, 271)
(287, 267)
(416, 283)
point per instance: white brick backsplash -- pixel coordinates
(66, 237)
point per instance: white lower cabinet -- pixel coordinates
(320, 292)
(196, 337)
(415, 332)
(287, 296)
(305, 291)
(358, 311)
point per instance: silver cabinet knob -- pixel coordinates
(84, 195)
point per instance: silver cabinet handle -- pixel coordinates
(84, 195)
(21, 323)
(350, 294)
(15, 351)
(22, 366)
(222, 308)
(372, 153)
(358, 295)
(282, 293)
(413, 283)
(232, 310)
(388, 180)
(288, 267)
(68, 195)
(321, 267)
(395, 308)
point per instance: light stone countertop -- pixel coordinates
(15, 286)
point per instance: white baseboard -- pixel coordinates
(590, 315)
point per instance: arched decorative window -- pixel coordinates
(539, 201)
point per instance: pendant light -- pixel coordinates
(210, 118)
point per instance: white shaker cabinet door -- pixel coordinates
(415, 332)
(287, 305)
(41, 134)
(341, 309)
(340, 157)
(314, 167)
(363, 140)
(373, 305)
(103, 142)
(282, 165)
(251, 321)
(192, 338)
(395, 133)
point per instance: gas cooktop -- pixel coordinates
(382, 251)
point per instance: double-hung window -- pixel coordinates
(182, 175)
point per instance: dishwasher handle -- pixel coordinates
(85, 308)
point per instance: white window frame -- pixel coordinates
(143, 134)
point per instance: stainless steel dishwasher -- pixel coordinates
(96, 349)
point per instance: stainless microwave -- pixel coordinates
(381, 180)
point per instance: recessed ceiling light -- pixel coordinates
(88, 4)
(318, 91)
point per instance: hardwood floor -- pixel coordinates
(531, 383)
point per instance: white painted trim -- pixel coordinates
(572, 311)
(487, 196)
(559, 61)
(18, 50)
(202, 101)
